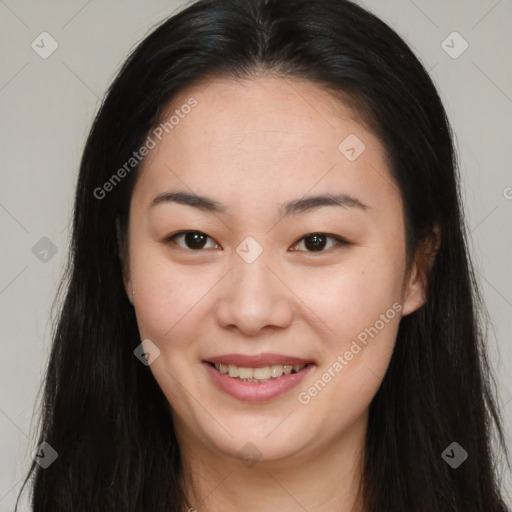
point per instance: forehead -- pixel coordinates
(267, 138)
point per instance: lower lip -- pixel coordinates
(256, 391)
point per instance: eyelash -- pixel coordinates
(341, 242)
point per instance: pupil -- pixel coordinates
(195, 240)
(317, 244)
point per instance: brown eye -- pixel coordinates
(193, 240)
(316, 242)
(313, 243)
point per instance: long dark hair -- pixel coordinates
(103, 411)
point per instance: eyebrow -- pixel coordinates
(294, 207)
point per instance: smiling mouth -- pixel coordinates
(262, 374)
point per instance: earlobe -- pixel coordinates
(128, 288)
(129, 291)
(415, 293)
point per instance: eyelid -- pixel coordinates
(340, 241)
(168, 240)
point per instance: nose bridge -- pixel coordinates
(254, 280)
(253, 276)
(253, 296)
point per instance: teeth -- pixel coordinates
(258, 374)
(276, 370)
(262, 373)
(245, 373)
(233, 370)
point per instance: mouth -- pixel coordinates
(257, 383)
(258, 374)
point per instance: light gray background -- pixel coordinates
(47, 107)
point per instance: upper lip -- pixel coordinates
(261, 360)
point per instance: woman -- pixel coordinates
(270, 303)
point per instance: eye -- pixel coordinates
(194, 240)
(316, 242)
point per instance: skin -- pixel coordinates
(252, 145)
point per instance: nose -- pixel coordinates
(253, 298)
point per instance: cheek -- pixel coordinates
(353, 298)
(362, 307)
(173, 302)
(354, 362)
(162, 295)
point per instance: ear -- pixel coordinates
(416, 280)
(123, 257)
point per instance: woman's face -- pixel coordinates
(249, 289)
